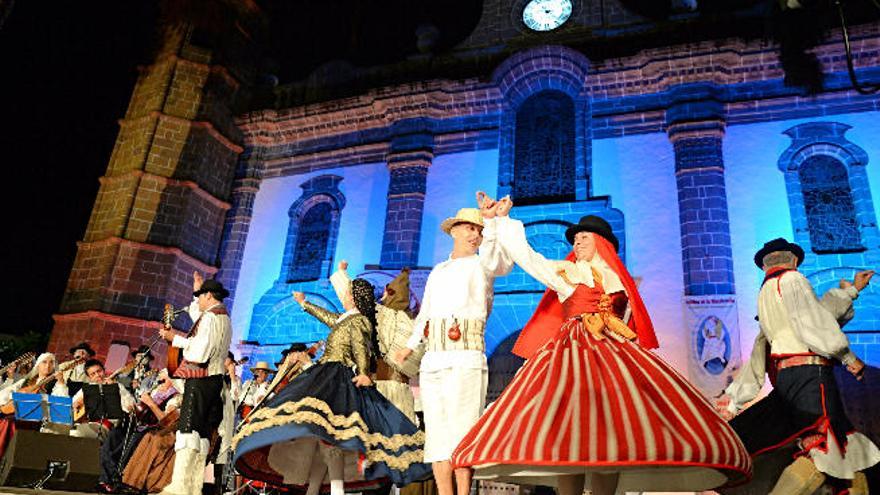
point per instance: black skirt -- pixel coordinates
(202, 408)
(323, 404)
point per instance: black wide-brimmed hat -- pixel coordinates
(596, 225)
(84, 346)
(213, 287)
(144, 349)
(779, 244)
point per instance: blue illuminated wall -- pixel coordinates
(679, 146)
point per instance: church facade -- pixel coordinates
(696, 153)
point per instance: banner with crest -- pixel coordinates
(714, 349)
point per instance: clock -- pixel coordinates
(546, 15)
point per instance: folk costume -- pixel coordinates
(454, 373)
(591, 398)
(391, 316)
(202, 370)
(798, 343)
(321, 418)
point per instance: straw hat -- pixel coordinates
(464, 215)
(262, 365)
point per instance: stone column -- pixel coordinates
(695, 125)
(408, 165)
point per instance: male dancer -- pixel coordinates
(453, 374)
(803, 339)
(205, 349)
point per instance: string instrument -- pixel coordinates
(9, 408)
(175, 354)
(124, 370)
(16, 362)
(144, 414)
(283, 378)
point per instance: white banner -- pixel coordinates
(713, 329)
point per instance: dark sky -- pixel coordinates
(69, 68)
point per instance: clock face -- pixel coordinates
(546, 15)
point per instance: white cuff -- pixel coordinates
(848, 358)
(852, 292)
(179, 341)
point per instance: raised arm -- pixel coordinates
(512, 237)
(340, 281)
(324, 316)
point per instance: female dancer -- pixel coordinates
(591, 400)
(330, 419)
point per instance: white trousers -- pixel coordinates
(452, 401)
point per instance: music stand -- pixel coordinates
(28, 407)
(102, 402)
(60, 410)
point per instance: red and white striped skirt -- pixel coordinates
(583, 405)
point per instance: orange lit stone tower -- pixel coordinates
(162, 202)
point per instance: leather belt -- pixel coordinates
(385, 372)
(792, 361)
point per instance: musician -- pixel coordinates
(140, 379)
(42, 374)
(227, 426)
(121, 441)
(96, 375)
(81, 353)
(204, 351)
(38, 380)
(149, 468)
(255, 389)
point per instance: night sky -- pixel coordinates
(69, 68)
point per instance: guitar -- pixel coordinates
(175, 354)
(16, 362)
(9, 408)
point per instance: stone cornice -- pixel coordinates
(223, 205)
(203, 124)
(179, 253)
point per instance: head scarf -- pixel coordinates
(35, 371)
(365, 302)
(549, 315)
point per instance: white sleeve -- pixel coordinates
(6, 393)
(750, 380)
(493, 258)
(197, 349)
(815, 325)
(512, 236)
(193, 309)
(341, 283)
(60, 390)
(421, 319)
(839, 302)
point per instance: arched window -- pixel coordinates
(828, 201)
(311, 243)
(544, 156)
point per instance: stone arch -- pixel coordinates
(828, 192)
(549, 70)
(313, 230)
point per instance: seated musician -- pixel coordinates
(81, 353)
(154, 413)
(98, 429)
(41, 379)
(140, 378)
